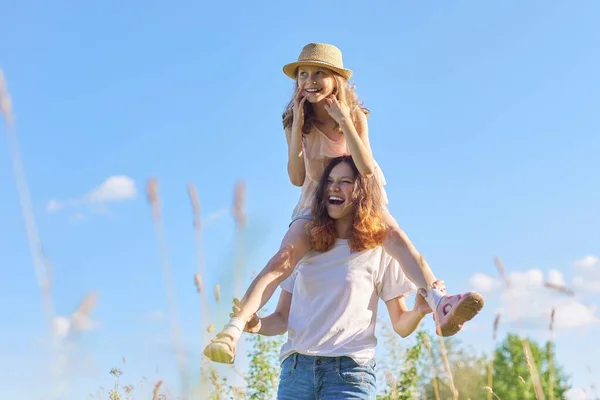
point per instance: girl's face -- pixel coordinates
(339, 191)
(316, 82)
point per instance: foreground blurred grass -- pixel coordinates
(416, 371)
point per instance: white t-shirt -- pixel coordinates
(334, 301)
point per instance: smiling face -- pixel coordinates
(339, 191)
(316, 82)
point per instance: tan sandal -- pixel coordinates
(221, 350)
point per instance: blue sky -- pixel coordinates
(484, 121)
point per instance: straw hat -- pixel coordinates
(319, 54)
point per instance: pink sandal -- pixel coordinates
(453, 311)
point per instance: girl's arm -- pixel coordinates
(296, 168)
(356, 133)
(404, 321)
(277, 323)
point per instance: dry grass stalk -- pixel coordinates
(442, 344)
(392, 383)
(154, 200)
(502, 271)
(496, 323)
(5, 101)
(539, 392)
(239, 214)
(550, 358)
(239, 202)
(35, 247)
(490, 392)
(448, 369)
(436, 388)
(40, 261)
(217, 292)
(535, 377)
(491, 363)
(560, 288)
(196, 211)
(198, 282)
(156, 390)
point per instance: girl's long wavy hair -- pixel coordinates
(344, 92)
(368, 224)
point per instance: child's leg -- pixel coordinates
(294, 246)
(449, 312)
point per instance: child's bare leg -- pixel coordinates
(293, 247)
(449, 312)
(398, 245)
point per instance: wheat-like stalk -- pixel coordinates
(392, 383)
(217, 292)
(156, 390)
(560, 288)
(239, 214)
(502, 271)
(239, 203)
(154, 201)
(40, 261)
(447, 366)
(490, 392)
(195, 203)
(539, 392)
(491, 363)
(535, 377)
(550, 358)
(35, 246)
(436, 388)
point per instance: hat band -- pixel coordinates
(320, 62)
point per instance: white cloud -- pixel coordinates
(587, 278)
(483, 283)
(571, 313)
(80, 321)
(114, 189)
(576, 394)
(588, 263)
(556, 277)
(62, 326)
(528, 301)
(54, 205)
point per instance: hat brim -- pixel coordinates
(291, 68)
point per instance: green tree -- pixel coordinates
(512, 379)
(264, 369)
(468, 371)
(403, 384)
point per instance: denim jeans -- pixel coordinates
(325, 378)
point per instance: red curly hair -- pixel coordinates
(368, 224)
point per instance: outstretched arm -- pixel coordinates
(403, 320)
(273, 324)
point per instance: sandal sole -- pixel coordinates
(468, 308)
(219, 353)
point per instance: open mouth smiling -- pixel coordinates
(335, 200)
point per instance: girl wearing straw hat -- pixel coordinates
(325, 120)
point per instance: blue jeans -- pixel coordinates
(325, 378)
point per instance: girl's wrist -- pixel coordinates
(344, 120)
